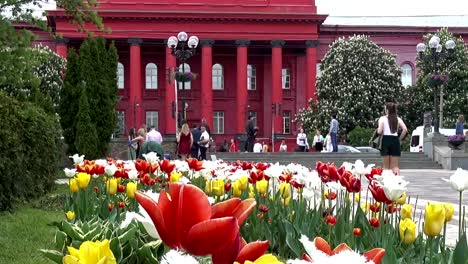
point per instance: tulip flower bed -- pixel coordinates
(246, 212)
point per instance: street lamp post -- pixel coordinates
(434, 57)
(187, 48)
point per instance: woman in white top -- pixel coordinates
(391, 142)
(283, 147)
(301, 140)
(318, 141)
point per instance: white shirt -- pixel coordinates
(154, 135)
(386, 127)
(317, 139)
(257, 147)
(283, 148)
(301, 139)
(203, 137)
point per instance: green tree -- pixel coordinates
(358, 77)
(69, 95)
(86, 141)
(455, 91)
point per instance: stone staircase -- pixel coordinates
(408, 160)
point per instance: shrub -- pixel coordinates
(29, 151)
(360, 136)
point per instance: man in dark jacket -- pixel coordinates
(196, 134)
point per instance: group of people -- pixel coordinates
(193, 143)
(144, 142)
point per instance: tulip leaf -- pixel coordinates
(54, 255)
(72, 231)
(60, 239)
(291, 239)
(116, 248)
(129, 234)
(459, 254)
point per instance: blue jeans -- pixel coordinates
(334, 142)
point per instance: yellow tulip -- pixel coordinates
(208, 187)
(357, 198)
(407, 231)
(286, 201)
(262, 186)
(265, 259)
(218, 187)
(73, 185)
(112, 186)
(406, 212)
(244, 182)
(83, 179)
(236, 191)
(131, 189)
(175, 176)
(365, 207)
(285, 190)
(70, 215)
(448, 211)
(91, 252)
(251, 191)
(434, 219)
(402, 199)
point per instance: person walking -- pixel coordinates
(389, 124)
(301, 141)
(195, 150)
(250, 132)
(318, 141)
(204, 142)
(140, 141)
(154, 135)
(184, 141)
(334, 126)
(459, 126)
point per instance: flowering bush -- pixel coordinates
(213, 209)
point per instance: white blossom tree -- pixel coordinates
(358, 78)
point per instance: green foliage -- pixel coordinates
(360, 136)
(456, 90)
(129, 244)
(358, 77)
(30, 143)
(86, 141)
(94, 72)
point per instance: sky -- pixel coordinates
(392, 7)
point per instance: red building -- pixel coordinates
(255, 57)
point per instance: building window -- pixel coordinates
(217, 74)
(218, 123)
(318, 71)
(406, 75)
(151, 76)
(120, 76)
(251, 77)
(286, 122)
(187, 85)
(120, 128)
(152, 118)
(286, 78)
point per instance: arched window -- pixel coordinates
(251, 77)
(218, 76)
(185, 68)
(120, 76)
(151, 76)
(406, 75)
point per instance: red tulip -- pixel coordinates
(331, 220)
(375, 255)
(374, 171)
(142, 166)
(120, 188)
(378, 192)
(184, 221)
(121, 204)
(357, 231)
(262, 166)
(246, 166)
(195, 164)
(263, 208)
(227, 186)
(166, 166)
(374, 222)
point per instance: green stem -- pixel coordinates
(352, 204)
(460, 215)
(445, 231)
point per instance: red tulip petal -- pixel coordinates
(225, 208)
(340, 248)
(322, 245)
(153, 210)
(375, 255)
(194, 208)
(169, 208)
(252, 251)
(208, 237)
(306, 257)
(244, 209)
(228, 255)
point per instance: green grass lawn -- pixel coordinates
(26, 230)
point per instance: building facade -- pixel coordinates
(255, 57)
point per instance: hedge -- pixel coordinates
(30, 143)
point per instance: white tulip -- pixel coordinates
(361, 169)
(394, 186)
(69, 172)
(77, 160)
(132, 174)
(176, 257)
(110, 169)
(459, 180)
(151, 158)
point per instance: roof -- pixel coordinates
(410, 21)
